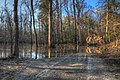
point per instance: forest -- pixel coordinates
(50, 29)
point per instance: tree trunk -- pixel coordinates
(10, 30)
(16, 47)
(31, 29)
(61, 28)
(107, 16)
(58, 26)
(33, 18)
(49, 27)
(9, 27)
(75, 26)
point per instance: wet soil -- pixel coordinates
(77, 66)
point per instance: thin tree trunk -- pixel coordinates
(49, 27)
(58, 27)
(79, 14)
(5, 26)
(16, 47)
(9, 27)
(61, 28)
(10, 30)
(75, 26)
(33, 18)
(31, 29)
(107, 15)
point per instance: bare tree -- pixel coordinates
(33, 18)
(49, 27)
(9, 24)
(16, 47)
(75, 26)
(107, 16)
(61, 27)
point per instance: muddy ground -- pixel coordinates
(77, 66)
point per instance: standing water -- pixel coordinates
(26, 51)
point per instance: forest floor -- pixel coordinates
(79, 66)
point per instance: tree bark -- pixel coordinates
(107, 15)
(61, 27)
(58, 26)
(31, 29)
(33, 18)
(75, 27)
(16, 47)
(49, 27)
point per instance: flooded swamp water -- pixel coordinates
(28, 51)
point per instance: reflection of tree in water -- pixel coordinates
(88, 50)
(96, 50)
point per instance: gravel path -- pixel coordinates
(70, 67)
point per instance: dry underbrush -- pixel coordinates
(112, 51)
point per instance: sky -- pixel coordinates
(10, 3)
(92, 2)
(89, 2)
